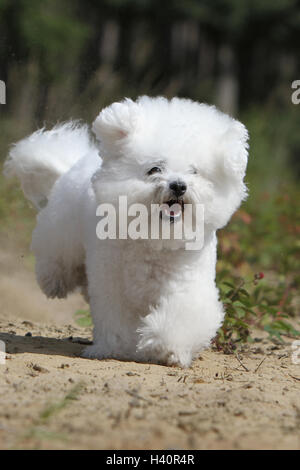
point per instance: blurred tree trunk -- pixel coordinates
(227, 89)
(23, 84)
(109, 42)
(184, 51)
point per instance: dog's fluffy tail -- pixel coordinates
(40, 159)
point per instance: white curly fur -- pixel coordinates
(149, 301)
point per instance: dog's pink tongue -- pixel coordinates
(173, 211)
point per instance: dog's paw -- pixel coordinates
(158, 345)
(166, 357)
(51, 278)
(53, 287)
(57, 280)
(155, 350)
(179, 359)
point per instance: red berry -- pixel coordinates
(258, 276)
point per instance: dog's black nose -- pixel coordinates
(178, 187)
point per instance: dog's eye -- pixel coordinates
(194, 171)
(153, 170)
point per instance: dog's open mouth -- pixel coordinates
(172, 210)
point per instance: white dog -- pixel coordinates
(151, 300)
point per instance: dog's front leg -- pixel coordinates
(159, 340)
(180, 327)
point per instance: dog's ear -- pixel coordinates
(114, 124)
(234, 151)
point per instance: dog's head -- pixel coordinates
(176, 152)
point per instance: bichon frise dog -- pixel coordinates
(151, 298)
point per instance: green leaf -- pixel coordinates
(83, 318)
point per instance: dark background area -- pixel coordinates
(68, 58)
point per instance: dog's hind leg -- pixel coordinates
(60, 264)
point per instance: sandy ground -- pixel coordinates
(51, 398)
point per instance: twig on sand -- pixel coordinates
(247, 370)
(295, 378)
(134, 394)
(260, 364)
